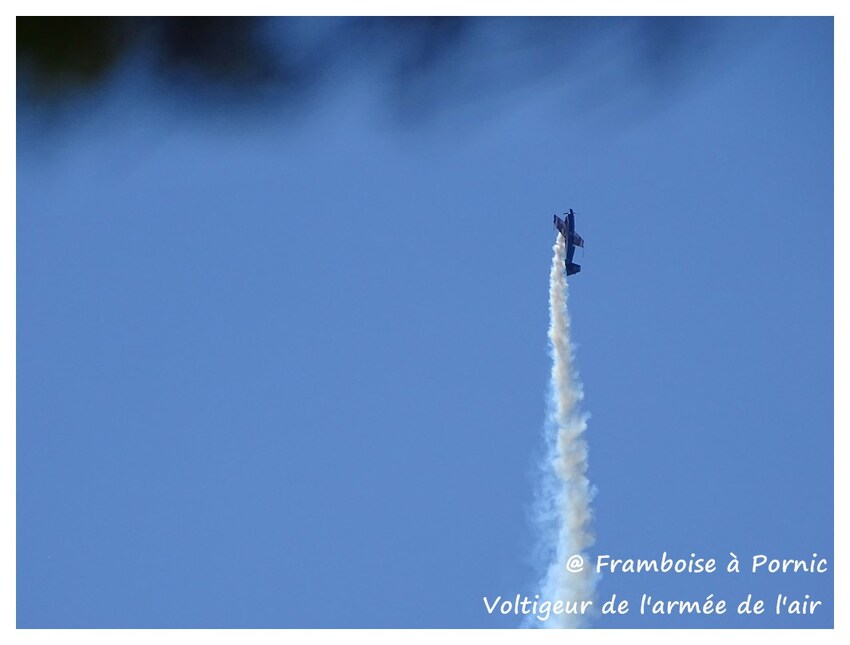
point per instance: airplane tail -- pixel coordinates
(572, 268)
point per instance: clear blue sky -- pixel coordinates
(281, 370)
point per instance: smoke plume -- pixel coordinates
(564, 501)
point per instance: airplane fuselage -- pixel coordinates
(571, 238)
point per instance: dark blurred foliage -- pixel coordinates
(424, 60)
(59, 54)
(69, 51)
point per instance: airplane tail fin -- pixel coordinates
(572, 268)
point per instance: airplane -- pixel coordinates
(573, 239)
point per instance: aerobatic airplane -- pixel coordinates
(573, 239)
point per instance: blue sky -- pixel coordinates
(289, 370)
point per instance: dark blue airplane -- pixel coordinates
(573, 239)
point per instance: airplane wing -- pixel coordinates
(577, 240)
(561, 226)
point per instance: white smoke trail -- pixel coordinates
(564, 503)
